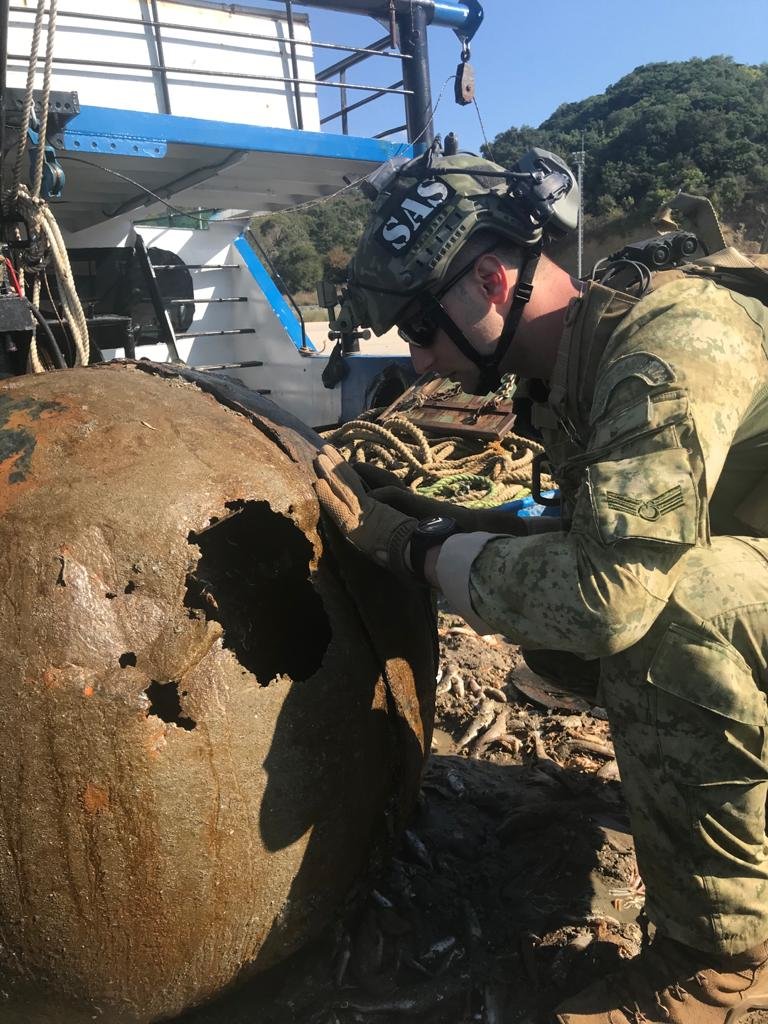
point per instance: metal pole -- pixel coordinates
(580, 268)
(82, 62)
(3, 64)
(161, 59)
(413, 42)
(344, 110)
(463, 16)
(294, 65)
(376, 51)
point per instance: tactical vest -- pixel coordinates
(739, 504)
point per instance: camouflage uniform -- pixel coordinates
(656, 427)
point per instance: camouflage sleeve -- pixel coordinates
(670, 392)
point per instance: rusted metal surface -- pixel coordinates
(207, 710)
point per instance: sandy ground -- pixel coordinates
(516, 881)
(389, 344)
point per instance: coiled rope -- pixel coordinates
(468, 472)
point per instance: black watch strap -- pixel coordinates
(429, 533)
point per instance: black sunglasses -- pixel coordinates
(419, 330)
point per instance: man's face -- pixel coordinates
(472, 310)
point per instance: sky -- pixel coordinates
(530, 56)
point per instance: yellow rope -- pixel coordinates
(473, 473)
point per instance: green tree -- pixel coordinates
(698, 125)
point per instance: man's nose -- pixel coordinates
(421, 358)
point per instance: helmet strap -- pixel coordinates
(488, 365)
(490, 377)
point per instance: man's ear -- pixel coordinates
(494, 278)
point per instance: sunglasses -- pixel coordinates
(420, 329)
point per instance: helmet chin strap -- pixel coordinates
(490, 377)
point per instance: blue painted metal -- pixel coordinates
(282, 310)
(136, 133)
(447, 13)
(114, 142)
(53, 179)
(460, 16)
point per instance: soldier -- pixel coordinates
(654, 413)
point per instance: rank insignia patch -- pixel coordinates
(650, 509)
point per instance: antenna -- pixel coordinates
(580, 159)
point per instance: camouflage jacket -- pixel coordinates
(656, 429)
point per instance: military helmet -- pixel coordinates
(427, 209)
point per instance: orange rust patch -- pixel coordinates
(95, 798)
(87, 691)
(52, 678)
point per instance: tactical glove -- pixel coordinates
(486, 520)
(373, 527)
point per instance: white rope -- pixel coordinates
(26, 114)
(35, 362)
(40, 161)
(40, 219)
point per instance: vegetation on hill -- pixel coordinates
(306, 245)
(699, 125)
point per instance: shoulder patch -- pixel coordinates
(649, 508)
(647, 367)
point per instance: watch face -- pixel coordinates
(438, 526)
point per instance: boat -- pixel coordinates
(170, 124)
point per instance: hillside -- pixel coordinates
(699, 125)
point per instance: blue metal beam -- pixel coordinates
(280, 307)
(463, 16)
(136, 133)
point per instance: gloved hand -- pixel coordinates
(373, 527)
(471, 520)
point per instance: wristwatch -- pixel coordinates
(429, 533)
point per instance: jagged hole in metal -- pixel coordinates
(253, 577)
(165, 703)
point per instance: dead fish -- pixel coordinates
(495, 732)
(381, 900)
(495, 694)
(443, 685)
(426, 998)
(342, 961)
(455, 782)
(439, 948)
(453, 956)
(608, 772)
(494, 1000)
(482, 720)
(417, 849)
(588, 745)
(473, 922)
(457, 685)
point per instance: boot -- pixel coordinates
(669, 983)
